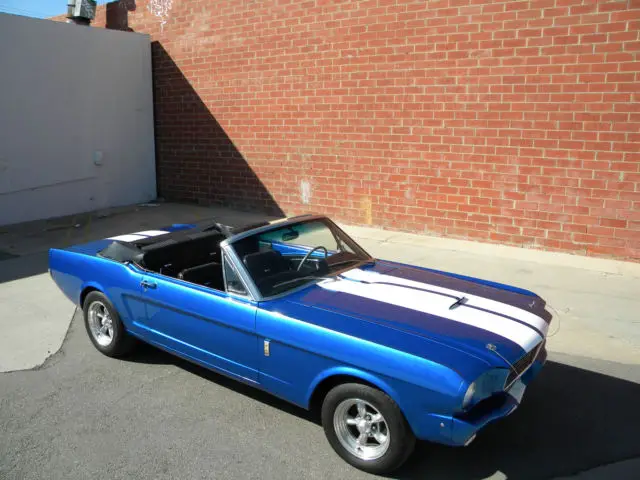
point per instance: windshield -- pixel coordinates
(285, 258)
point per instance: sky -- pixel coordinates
(36, 8)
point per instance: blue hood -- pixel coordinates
(383, 301)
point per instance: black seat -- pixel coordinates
(266, 264)
(172, 257)
(209, 274)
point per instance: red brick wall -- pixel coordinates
(515, 122)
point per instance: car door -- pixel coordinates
(210, 326)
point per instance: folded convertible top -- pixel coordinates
(135, 247)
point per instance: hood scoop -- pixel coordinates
(460, 301)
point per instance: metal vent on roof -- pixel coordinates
(81, 10)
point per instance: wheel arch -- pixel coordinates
(329, 379)
(87, 289)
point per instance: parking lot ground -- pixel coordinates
(68, 412)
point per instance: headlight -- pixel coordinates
(487, 384)
(471, 391)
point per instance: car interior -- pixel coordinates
(196, 257)
(196, 260)
(268, 267)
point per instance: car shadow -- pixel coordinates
(145, 353)
(571, 420)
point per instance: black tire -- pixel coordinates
(121, 342)
(401, 438)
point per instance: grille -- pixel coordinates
(521, 366)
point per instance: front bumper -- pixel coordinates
(461, 429)
(465, 427)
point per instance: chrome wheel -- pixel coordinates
(100, 324)
(361, 429)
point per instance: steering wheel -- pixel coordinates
(306, 257)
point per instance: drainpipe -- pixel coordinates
(81, 12)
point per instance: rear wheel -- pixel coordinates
(366, 428)
(104, 327)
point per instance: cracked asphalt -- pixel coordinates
(83, 415)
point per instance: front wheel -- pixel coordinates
(103, 324)
(366, 428)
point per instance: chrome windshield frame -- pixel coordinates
(230, 254)
(227, 247)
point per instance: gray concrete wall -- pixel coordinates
(76, 119)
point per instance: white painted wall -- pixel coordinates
(70, 96)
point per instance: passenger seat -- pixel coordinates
(209, 275)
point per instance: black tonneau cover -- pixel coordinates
(135, 251)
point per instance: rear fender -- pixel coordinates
(75, 272)
(91, 285)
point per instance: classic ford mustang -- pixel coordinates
(386, 352)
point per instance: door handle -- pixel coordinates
(145, 284)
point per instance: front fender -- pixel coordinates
(428, 412)
(351, 372)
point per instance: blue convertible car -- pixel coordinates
(386, 352)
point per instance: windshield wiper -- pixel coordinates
(356, 260)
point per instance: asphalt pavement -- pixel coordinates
(71, 413)
(83, 415)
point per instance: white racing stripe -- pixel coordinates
(128, 238)
(481, 302)
(437, 305)
(151, 233)
(134, 237)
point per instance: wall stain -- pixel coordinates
(367, 210)
(305, 192)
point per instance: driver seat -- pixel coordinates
(265, 264)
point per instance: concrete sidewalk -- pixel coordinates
(596, 300)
